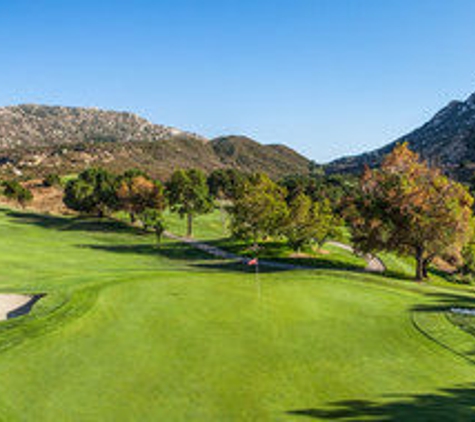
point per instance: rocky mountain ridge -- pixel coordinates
(38, 125)
(447, 139)
(36, 140)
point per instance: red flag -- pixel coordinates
(253, 262)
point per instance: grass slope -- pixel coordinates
(129, 332)
(214, 229)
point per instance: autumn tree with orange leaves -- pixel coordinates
(137, 193)
(411, 208)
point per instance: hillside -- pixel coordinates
(448, 140)
(245, 153)
(39, 125)
(36, 140)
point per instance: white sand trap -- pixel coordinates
(10, 302)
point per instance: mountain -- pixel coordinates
(245, 153)
(36, 140)
(38, 125)
(448, 140)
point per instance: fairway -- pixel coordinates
(131, 332)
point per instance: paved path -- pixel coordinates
(374, 264)
(221, 253)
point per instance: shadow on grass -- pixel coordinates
(275, 252)
(178, 251)
(83, 224)
(184, 252)
(240, 267)
(171, 250)
(443, 302)
(272, 252)
(400, 275)
(447, 404)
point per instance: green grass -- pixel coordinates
(214, 228)
(130, 332)
(398, 266)
(207, 226)
(329, 257)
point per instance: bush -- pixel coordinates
(93, 192)
(468, 255)
(51, 180)
(152, 219)
(14, 190)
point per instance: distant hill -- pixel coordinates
(36, 140)
(244, 153)
(448, 140)
(39, 125)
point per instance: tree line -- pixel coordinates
(259, 207)
(404, 206)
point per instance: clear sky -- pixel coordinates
(327, 77)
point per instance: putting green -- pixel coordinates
(130, 332)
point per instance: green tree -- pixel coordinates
(52, 179)
(468, 255)
(17, 192)
(93, 192)
(299, 226)
(152, 219)
(315, 169)
(260, 211)
(336, 188)
(310, 222)
(411, 208)
(328, 224)
(225, 183)
(188, 195)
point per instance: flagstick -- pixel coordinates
(258, 284)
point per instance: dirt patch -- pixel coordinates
(444, 266)
(46, 200)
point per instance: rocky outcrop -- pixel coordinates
(36, 140)
(448, 140)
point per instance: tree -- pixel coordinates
(14, 190)
(310, 222)
(299, 227)
(299, 184)
(188, 195)
(327, 224)
(137, 192)
(468, 255)
(411, 208)
(152, 219)
(260, 211)
(93, 192)
(225, 183)
(315, 169)
(51, 179)
(333, 187)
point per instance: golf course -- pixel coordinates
(131, 331)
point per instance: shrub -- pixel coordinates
(51, 180)
(93, 192)
(14, 190)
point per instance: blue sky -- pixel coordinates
(327, 77)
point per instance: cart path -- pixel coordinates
(373, 263)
